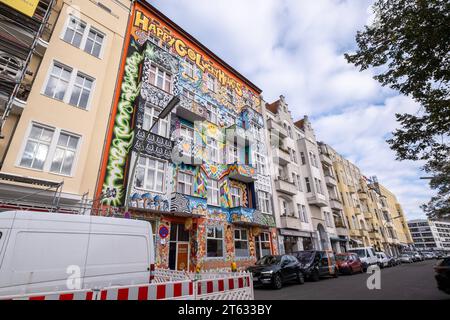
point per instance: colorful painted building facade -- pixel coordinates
(201, 179)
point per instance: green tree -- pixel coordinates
(408, 44)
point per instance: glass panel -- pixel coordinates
(68, 162)
(73, 142)
(57, 161)
(40, 157)
(35, 132)
(139, 177)
(28, 154)
(63, 139)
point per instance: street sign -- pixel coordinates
(163, 232)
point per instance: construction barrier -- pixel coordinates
(222, 287)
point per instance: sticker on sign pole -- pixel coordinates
(163, 232)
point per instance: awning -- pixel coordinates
(294, 233)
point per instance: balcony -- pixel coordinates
(282, 156)
(363, 195)
(276, 129)
(335, 204)
(351, 189)
(238, 136)
(330, 180)
(242, 172)
(191, 110)
(286, 187)
(318, 201)
(250, 217)
(291, 223)
(325, 159)
(155, 145)
(188, 206)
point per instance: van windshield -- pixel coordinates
(360, 252)
(305, 256)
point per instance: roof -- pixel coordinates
(172, 24)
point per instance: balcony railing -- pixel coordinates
(286, 187)
(318, 201)
(242, 172)
(188, 205)
(330, 180)
(275, 128)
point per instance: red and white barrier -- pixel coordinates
(159, 291)
(70, 295)
(234, 287)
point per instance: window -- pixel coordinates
(264, 202)
(213, 150)
(50, 149)
(318, 184)
(151, 115)
(313, 159)
(235, 197)
(284, 208)
(74, 31)
(69, 85)
(328, 219)
(212, 112)
(64, 156)
(190, 69)
(214, 242)
(294, 156)
(81, 91)
(58, 81)
(160, 78)
(37, 147)
(290, 132)
(82, 35)
(184, 185)
(302, 156)
(187, 135)
(233, 155)
(230, 95)
(304, 215)
(213, 192)
(261, 164)
(299, 183)
(94, 42)
(150, 174)
(211, 83)
(241, 243)
(262, 245)
(308, 185)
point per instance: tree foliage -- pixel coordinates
(408, 44)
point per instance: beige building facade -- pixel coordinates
(54, 132)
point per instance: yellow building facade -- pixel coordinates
(54, 130)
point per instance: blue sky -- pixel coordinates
(295, 48)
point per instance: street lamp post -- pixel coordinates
(164, 113)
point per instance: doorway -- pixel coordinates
(179, 248)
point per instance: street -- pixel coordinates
(404, 282)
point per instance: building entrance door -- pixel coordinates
(179, 248)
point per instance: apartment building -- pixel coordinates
(430, 234)
(58, 66)
(292, 212)
(301, 199)
(202, 179)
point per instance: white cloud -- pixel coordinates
(295, 48)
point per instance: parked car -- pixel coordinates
(317, 264)
(442, 254)
(367, 256)
(443, 275)
(383, 260)
(428, 255)
(416, 256)
(393, 261)
(36, 250)
(406, 258)
(349, 263)
(277, 270)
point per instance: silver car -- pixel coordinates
(406, 258)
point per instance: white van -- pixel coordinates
(367, 256)
(43, 252)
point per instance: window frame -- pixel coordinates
(156, 74)
(51, 150)
(70, 85)
(185, 173)
(156, 170)
(240, 239)
(234, 196)
(212, 190)
(215, 238)
(85, 36)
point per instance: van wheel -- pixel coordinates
(277, 282)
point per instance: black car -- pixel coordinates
(443, 275)
(317, 264)
(276, 270)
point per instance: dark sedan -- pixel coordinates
(276, 270)
(443, 275)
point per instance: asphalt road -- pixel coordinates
(404, 282)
